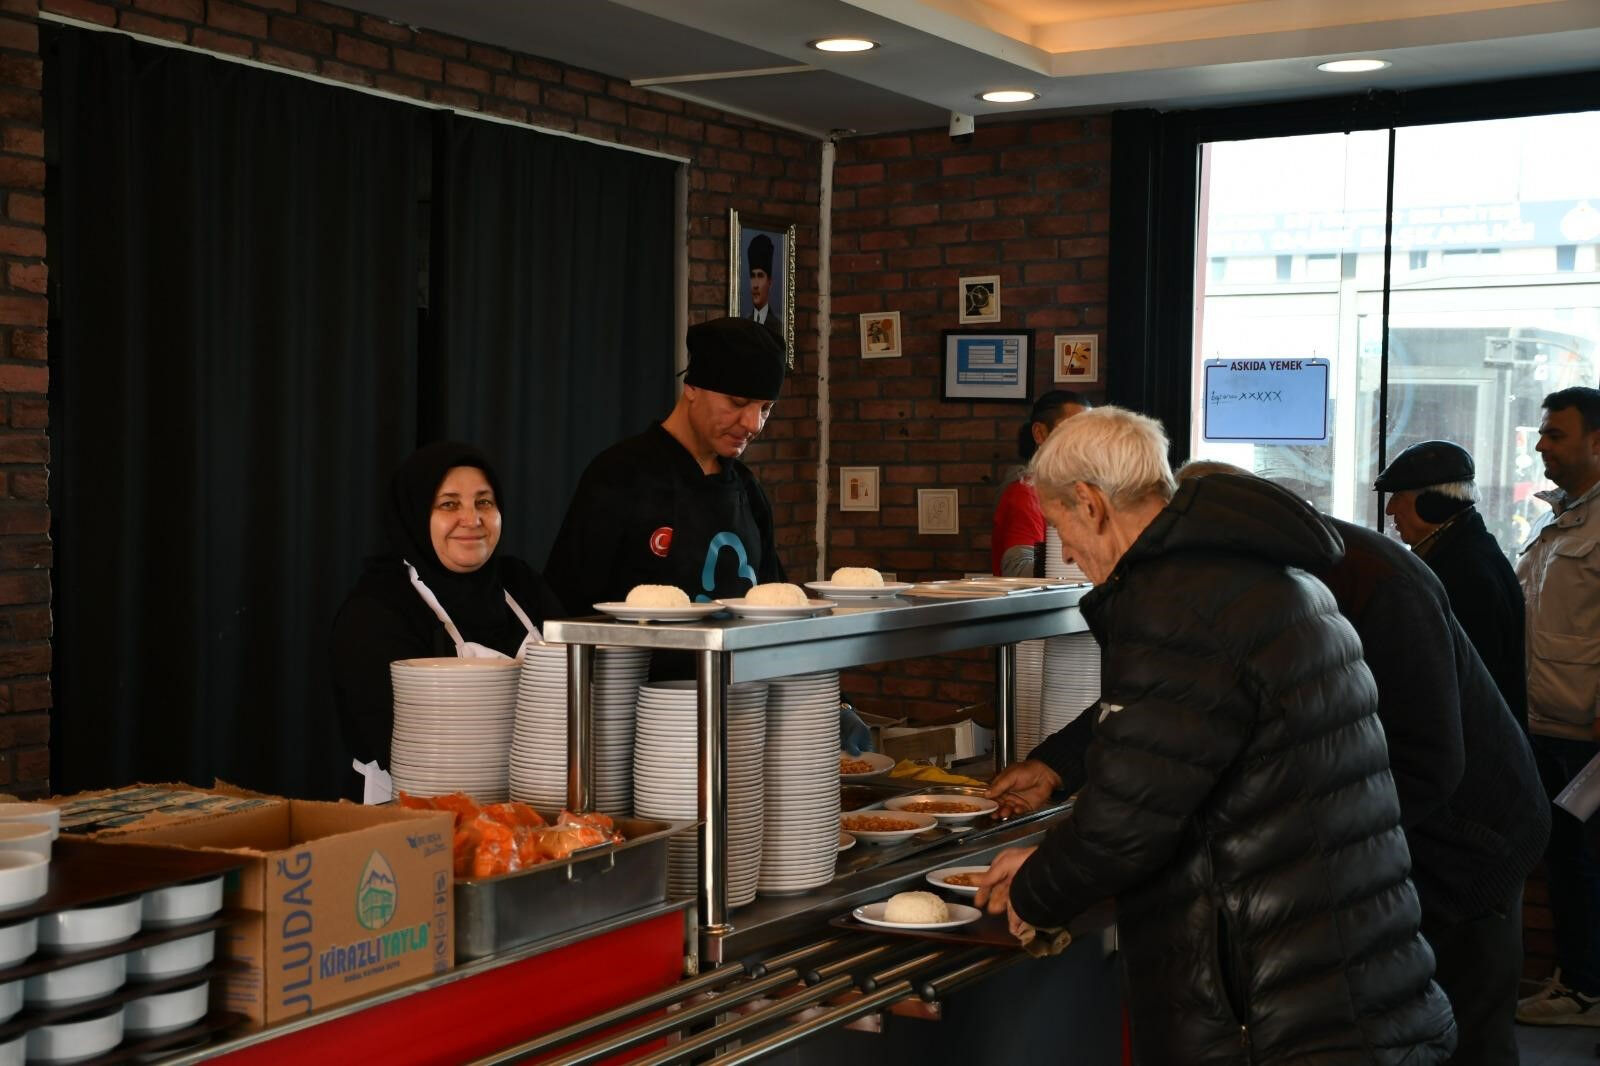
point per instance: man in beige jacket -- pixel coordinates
(1559, 569)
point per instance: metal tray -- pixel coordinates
(497, 913)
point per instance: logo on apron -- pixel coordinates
(661, 542)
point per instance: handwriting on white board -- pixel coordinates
(1266, 401)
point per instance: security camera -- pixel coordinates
(961, 126)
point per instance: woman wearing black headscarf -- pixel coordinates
(440, 590)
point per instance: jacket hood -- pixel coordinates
(1240, 515)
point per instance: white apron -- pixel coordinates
(471, 649)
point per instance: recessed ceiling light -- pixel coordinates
(1008, 96)
(844, 44)
(1353, 66)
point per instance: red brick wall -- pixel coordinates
(735, 162)
(913, 213)
(24, 416)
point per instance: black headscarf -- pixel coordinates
(475, 602)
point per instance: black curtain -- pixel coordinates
(233, 345)
(550, 330)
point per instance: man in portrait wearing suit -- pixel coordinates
(760, 260)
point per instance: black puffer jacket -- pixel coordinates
(1239, 805)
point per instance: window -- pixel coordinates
(1476, 335)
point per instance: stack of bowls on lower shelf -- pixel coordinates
(538, 758)
(666, 775)
(1030, 681)
(801, 840)
(77, 972)
(452, 725)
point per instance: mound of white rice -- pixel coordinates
(859, 576)
(776, 594)
(657, 596)
(920, 908)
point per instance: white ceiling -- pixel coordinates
(1079, 55)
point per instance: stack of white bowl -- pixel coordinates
(1055, 569)
(452, 723)
(666, 779)
(538, 759)
(1029, 680)
(801, 841)
(1071, 680)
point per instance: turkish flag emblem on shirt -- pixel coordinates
(661, 541)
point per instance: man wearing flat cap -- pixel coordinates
(759, 258)
(1432, 504)
(674, 505)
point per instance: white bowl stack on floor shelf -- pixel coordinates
(801, 841)
(665, 779)
(452, 725)
(1071, 677)
(1030, 680)
(538, 759)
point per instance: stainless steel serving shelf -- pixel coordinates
(856, 633)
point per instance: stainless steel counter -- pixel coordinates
(856, 633)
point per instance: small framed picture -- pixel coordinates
(858, 488)
(980, 299)
(761, 268)
(1078, 358)
(938, 511)
(880, 335)
(981, 364)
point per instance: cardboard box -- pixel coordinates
(339, 900)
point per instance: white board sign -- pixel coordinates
(1266, 401)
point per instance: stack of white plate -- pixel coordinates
(1054, 568)
(538, 761)
(802, 775)
(1071, 680)
(452, 723)
(666, 774)
(1030, 679)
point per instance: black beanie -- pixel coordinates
(736, 357)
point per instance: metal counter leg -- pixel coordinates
(712, 676)
(1005, 706)
(580, 728)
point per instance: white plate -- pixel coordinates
(924, 822)
(858, 592)
(960, 914)
(937, 879)
(623, 613)
(846, 841)
(880, 764)
(982, 806)
(743, 608)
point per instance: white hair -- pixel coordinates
(1456, 490)
(1122, 453)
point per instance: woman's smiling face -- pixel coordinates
(465, 521)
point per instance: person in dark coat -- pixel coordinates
(1433, 510)
(440, 589)
(1237, 799)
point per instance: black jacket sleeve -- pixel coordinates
(1064, 750)
(1152, 762)
(580, 567)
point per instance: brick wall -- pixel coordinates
(24, 445)
(735, 162)
(913, 213)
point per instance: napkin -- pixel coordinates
(917, 771)
(1043, 942)
(378, 786)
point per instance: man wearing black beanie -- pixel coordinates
(674, 505)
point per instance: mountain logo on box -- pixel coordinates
(377, 893)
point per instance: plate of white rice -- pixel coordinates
(743, 608)
(916, 910)
(623, 612)
(835, 591)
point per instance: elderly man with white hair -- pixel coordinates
(1237, 800)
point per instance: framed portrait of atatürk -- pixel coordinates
(761, 257)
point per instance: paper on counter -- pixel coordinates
(1582, 794)
(377, 785)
